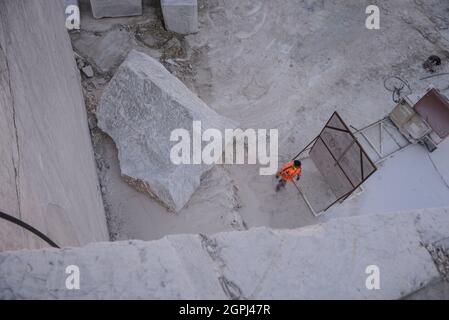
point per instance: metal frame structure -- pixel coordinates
(383, 125)
(363, 153)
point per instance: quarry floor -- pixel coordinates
(286, 65)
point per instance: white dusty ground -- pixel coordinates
(287, 65)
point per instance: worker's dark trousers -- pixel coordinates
(281, 184)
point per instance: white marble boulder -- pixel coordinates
(139, 109)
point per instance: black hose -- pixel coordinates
(28, 227)
(397, 91)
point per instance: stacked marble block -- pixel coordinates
(116, 8)
(180, 16)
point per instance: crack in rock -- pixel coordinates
(16, 164)
(440, 256)
(231, 289)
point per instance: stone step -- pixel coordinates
(324, 261)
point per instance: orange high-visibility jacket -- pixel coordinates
(289, 171)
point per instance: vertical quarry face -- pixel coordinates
(47, 169)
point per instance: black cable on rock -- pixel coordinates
(28, 227)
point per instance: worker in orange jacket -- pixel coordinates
(288, 173)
